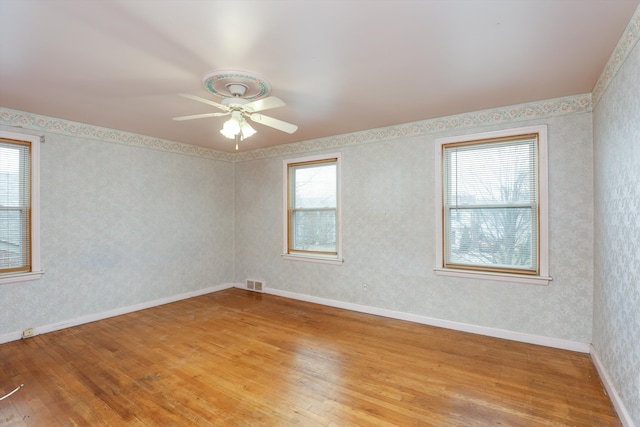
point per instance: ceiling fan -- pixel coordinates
(243, 95)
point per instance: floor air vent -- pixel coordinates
(255, 285)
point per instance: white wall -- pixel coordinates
(121, 225)
(389, 232)
(616, 337)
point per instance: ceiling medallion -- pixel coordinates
(220, 82)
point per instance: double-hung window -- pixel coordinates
(312, 209)
(19, 207)
(492, 209)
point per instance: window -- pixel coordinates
(312, 209)
(492, 219)
(19, 207)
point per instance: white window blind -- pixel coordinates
(313, 207)
(15, 206)
(490, 205)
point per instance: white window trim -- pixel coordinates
(36, 271)
(543, 277)
(317, 258)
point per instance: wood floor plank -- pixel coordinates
(236, 358)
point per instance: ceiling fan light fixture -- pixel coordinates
(237, 128)
(244, 96)
(246, 130)
(230, 128)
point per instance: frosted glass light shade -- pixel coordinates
(230, 128)
(246, 129)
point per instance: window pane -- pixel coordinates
(494, 237)
(315, 186)
(314, 230)
(491, 173)
(12, 239)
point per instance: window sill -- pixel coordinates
(501, 277)
(20, 277)
(313, 258)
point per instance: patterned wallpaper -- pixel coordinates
(100, 182)
(407, 155)
(616, 336)
(389, 236)
(122, 225)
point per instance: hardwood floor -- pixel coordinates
(236, 358)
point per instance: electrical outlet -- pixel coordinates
(27, 333)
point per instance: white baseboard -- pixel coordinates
(11, 336)
(458, 326)
(611, 390)
(14, 336)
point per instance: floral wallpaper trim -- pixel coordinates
(529, 111)
(625, 45)
(49, 124)
(535, 110)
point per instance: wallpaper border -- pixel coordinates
(21, 119)
(534, 110)
(529, 111)
(628, 40)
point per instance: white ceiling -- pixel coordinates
(341, 66)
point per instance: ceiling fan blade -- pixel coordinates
(199, 116)
(205, 101)
(274, 123)
(264, 104)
